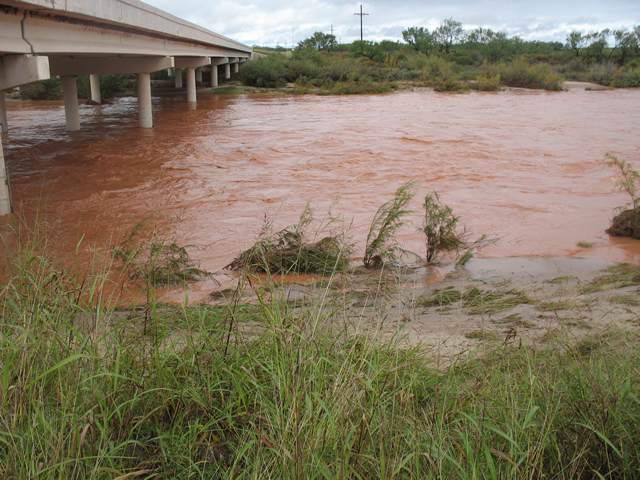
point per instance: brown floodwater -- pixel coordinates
(520, 165)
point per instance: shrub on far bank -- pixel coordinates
(50, 89)
(539, 76)
(264, 72)
(626, 78)
(486, 83)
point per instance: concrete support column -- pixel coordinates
(191, 84)
(170, 72)
(235, 67)
(227, 71)
(145, 108)
(71, 110)
(178, 73)
(5, 193)
(94, 82)
(3, 114)
(199, 75)
(214, 75)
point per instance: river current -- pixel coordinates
(524, 166)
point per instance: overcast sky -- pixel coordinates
(283, 22)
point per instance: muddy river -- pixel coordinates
(521, 165)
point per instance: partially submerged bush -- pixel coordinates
(440, 227)
(292, 251)
(159, 261)
(382, 246)
(627, 222)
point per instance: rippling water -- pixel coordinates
(521, 165)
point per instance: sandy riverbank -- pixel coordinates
(448, 311)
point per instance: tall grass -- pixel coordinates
(291, 392)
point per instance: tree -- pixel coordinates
(318, 41)
(625, 44)
(576, 41)
(418, 37)
(597, 43)
(448, 34)
(481, 35)
(364, 48)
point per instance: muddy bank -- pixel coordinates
(532, 301)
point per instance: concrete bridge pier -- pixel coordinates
(17, 70)
(94, 83)
(191, 84)
(215, 62)
(191, 63)
(71, 109)
(3, 114)
(214, 75)
(227, 71)
(145, 107)
(199, 75)
(178, 73)
(5, 192)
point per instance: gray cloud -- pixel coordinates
(281, 22)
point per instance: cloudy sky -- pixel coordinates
(283, 22)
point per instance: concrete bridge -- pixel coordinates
(67, 38)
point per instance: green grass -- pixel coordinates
(282, 389)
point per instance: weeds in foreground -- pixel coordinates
(299, 396)
(158, 260)
(382, 246)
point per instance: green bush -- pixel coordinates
(485, 83)
(50, 89)
(265, 72)
(602, 73)
(539, 76)
(626, 78)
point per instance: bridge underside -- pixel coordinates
(40, 39)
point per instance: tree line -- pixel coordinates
(450, 38)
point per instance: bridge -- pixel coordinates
(67, 38)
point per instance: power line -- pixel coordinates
(361, 15)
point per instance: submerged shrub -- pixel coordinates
(291, 250)
(439, 226)
(382, 246)
(158, 260)
(627, 222)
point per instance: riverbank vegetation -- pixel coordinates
(627, 222)
(450, 59)
(270, 385)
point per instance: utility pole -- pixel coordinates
(361, 15)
